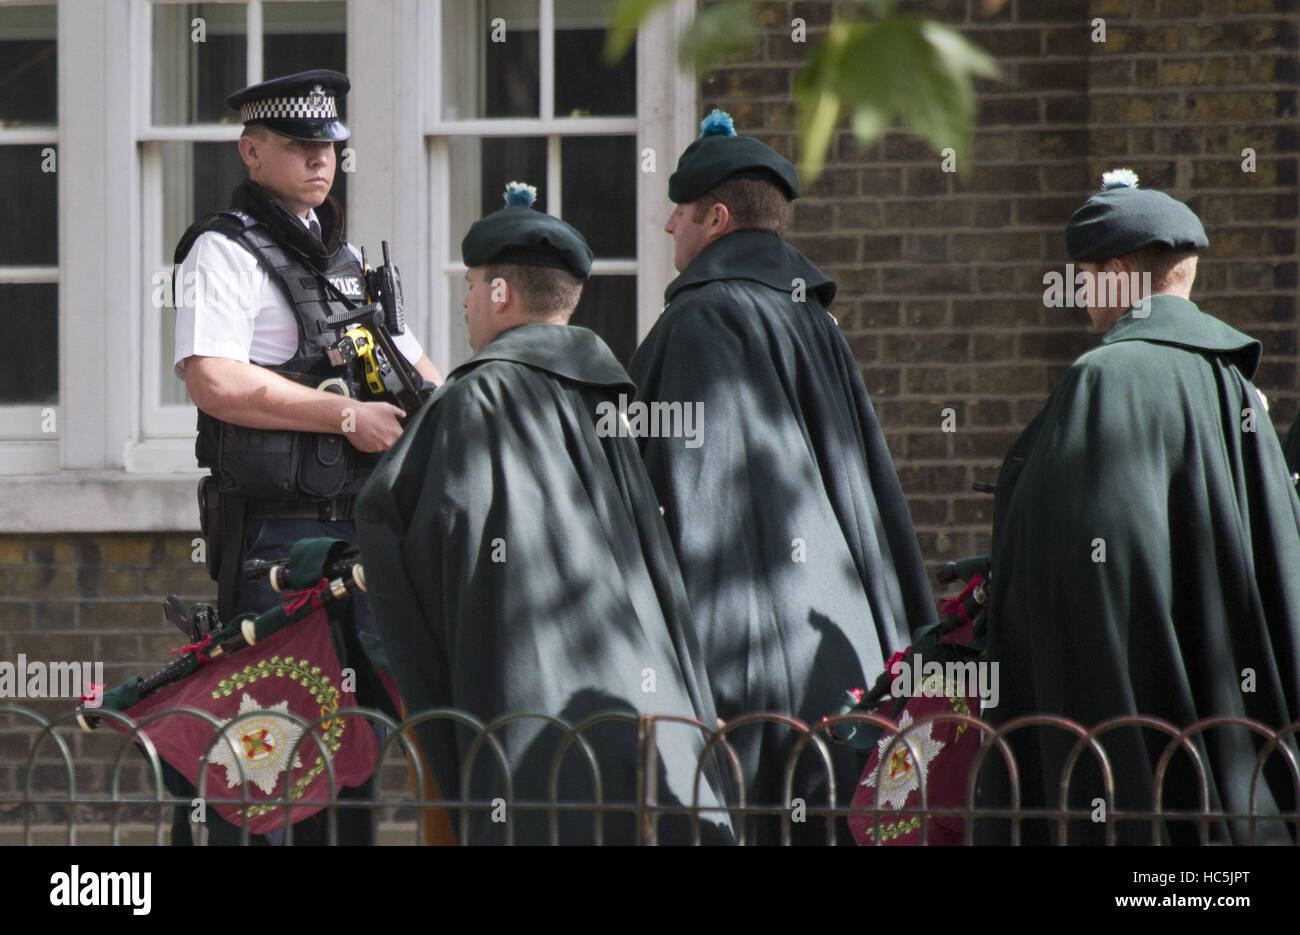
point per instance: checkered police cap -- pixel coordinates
(301, 106)
(318, 105)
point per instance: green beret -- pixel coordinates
(719, 155)
(1122, 218)
(517, 234)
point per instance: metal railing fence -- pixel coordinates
(36, 799)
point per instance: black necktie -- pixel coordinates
(315, 228)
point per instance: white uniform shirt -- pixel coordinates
(227, 306)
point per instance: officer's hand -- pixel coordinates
(374, 426)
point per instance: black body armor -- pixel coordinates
(318, 280)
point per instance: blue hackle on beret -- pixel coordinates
(1119, 178)
(717, 123)
(520, 195)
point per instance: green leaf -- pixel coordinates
(718, 33)
(900, 67)
(627, 19)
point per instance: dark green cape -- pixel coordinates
(795, 542)
(1143, 444)
(518, 563)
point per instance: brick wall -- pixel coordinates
(941, 275)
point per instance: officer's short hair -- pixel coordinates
(1160, 260)
(546, 292)
(754, 204)
(256, 131)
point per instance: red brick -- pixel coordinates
(945, 213)
(925, 280)
(926, 380)
(1233, 36)
(992, 347)
(1008, 41)
(1135, 108)
(911, 348)
(871, 315)
(993, 245)
(881, 381)
(1007, 111)
(931, 248)
(919, 314)
(120, 615)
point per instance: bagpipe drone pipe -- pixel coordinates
(246, 713)
(935, 676)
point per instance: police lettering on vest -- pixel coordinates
(350, 286)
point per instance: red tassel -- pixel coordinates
(295, 600)
(199, 649)
(953, 605)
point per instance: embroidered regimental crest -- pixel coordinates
(902, 770)
(261, 742)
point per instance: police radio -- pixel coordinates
(384, 285)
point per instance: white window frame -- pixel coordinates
(438, 133)
(24, 447)
(388, 108)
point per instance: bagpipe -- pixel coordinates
(262, 682)
(939, 674)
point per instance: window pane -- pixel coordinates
(584, 85)
(608, 307)
(489, 59)
(300, 36)
(192, 79)
(28, 79)
(32, 312)
(598, 185)
(197, 178)
(29, 206)
(480, 169)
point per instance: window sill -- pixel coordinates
(99, 501)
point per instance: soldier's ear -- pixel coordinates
(719, 217)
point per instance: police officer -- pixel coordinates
(289, 436)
